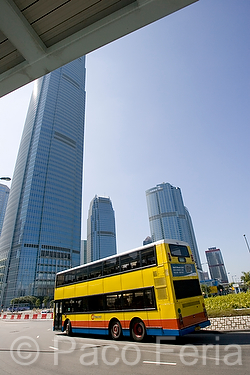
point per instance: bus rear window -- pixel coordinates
(179, 250)
(187, 288)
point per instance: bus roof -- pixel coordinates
(168, 241)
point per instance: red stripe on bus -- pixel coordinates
(194, 319)
(150, 323)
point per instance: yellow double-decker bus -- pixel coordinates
(152, 290)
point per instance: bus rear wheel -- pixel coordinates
(115, 329)
(138, 330)
(68, 329)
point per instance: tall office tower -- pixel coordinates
(4, 196)
(83, 251)
(101, 235)
(42, 228)
(169, 218)
(216, 264)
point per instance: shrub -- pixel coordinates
(227, 305)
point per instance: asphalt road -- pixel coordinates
(32, 348)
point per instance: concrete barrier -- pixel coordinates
(25, 316)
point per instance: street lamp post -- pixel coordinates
(246, 242)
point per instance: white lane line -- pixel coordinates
(160, 363)
(52, 347)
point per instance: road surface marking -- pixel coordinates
(160, 363)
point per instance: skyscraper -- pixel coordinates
(83, 251)
(169, 218)
(216, 264)
(4, 196)
(101, 234)
(42, 228)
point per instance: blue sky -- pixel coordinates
(167, 103)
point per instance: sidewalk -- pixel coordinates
(229, 323)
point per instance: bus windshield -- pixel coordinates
(179, 250)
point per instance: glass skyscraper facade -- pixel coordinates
(216, 264)
(4, 196)
(41, 233)
(83, 251)
(169, 218)
(101, 234)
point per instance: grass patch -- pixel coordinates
(228, 305)
(229, 312)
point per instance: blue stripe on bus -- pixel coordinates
(185, 331)
(150, 331)
(91, 331)
(205, 324)
(97, 331)
(126, 332)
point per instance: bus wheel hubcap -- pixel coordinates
(138, 330)
(116, 329)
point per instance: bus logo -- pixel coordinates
(93, 317)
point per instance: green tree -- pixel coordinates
(246, 279)
(220, 289)
(38, 303)
(24, 300)
(46, 301)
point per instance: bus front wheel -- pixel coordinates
(115, 330)
(138, 330)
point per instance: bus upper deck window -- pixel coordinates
(60, 280)
(111, 266)
(148, 256)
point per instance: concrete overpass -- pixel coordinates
(39, 36)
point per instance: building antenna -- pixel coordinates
(246, 242)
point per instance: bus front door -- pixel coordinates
(58, 316)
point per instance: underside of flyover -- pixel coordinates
(39, 36)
